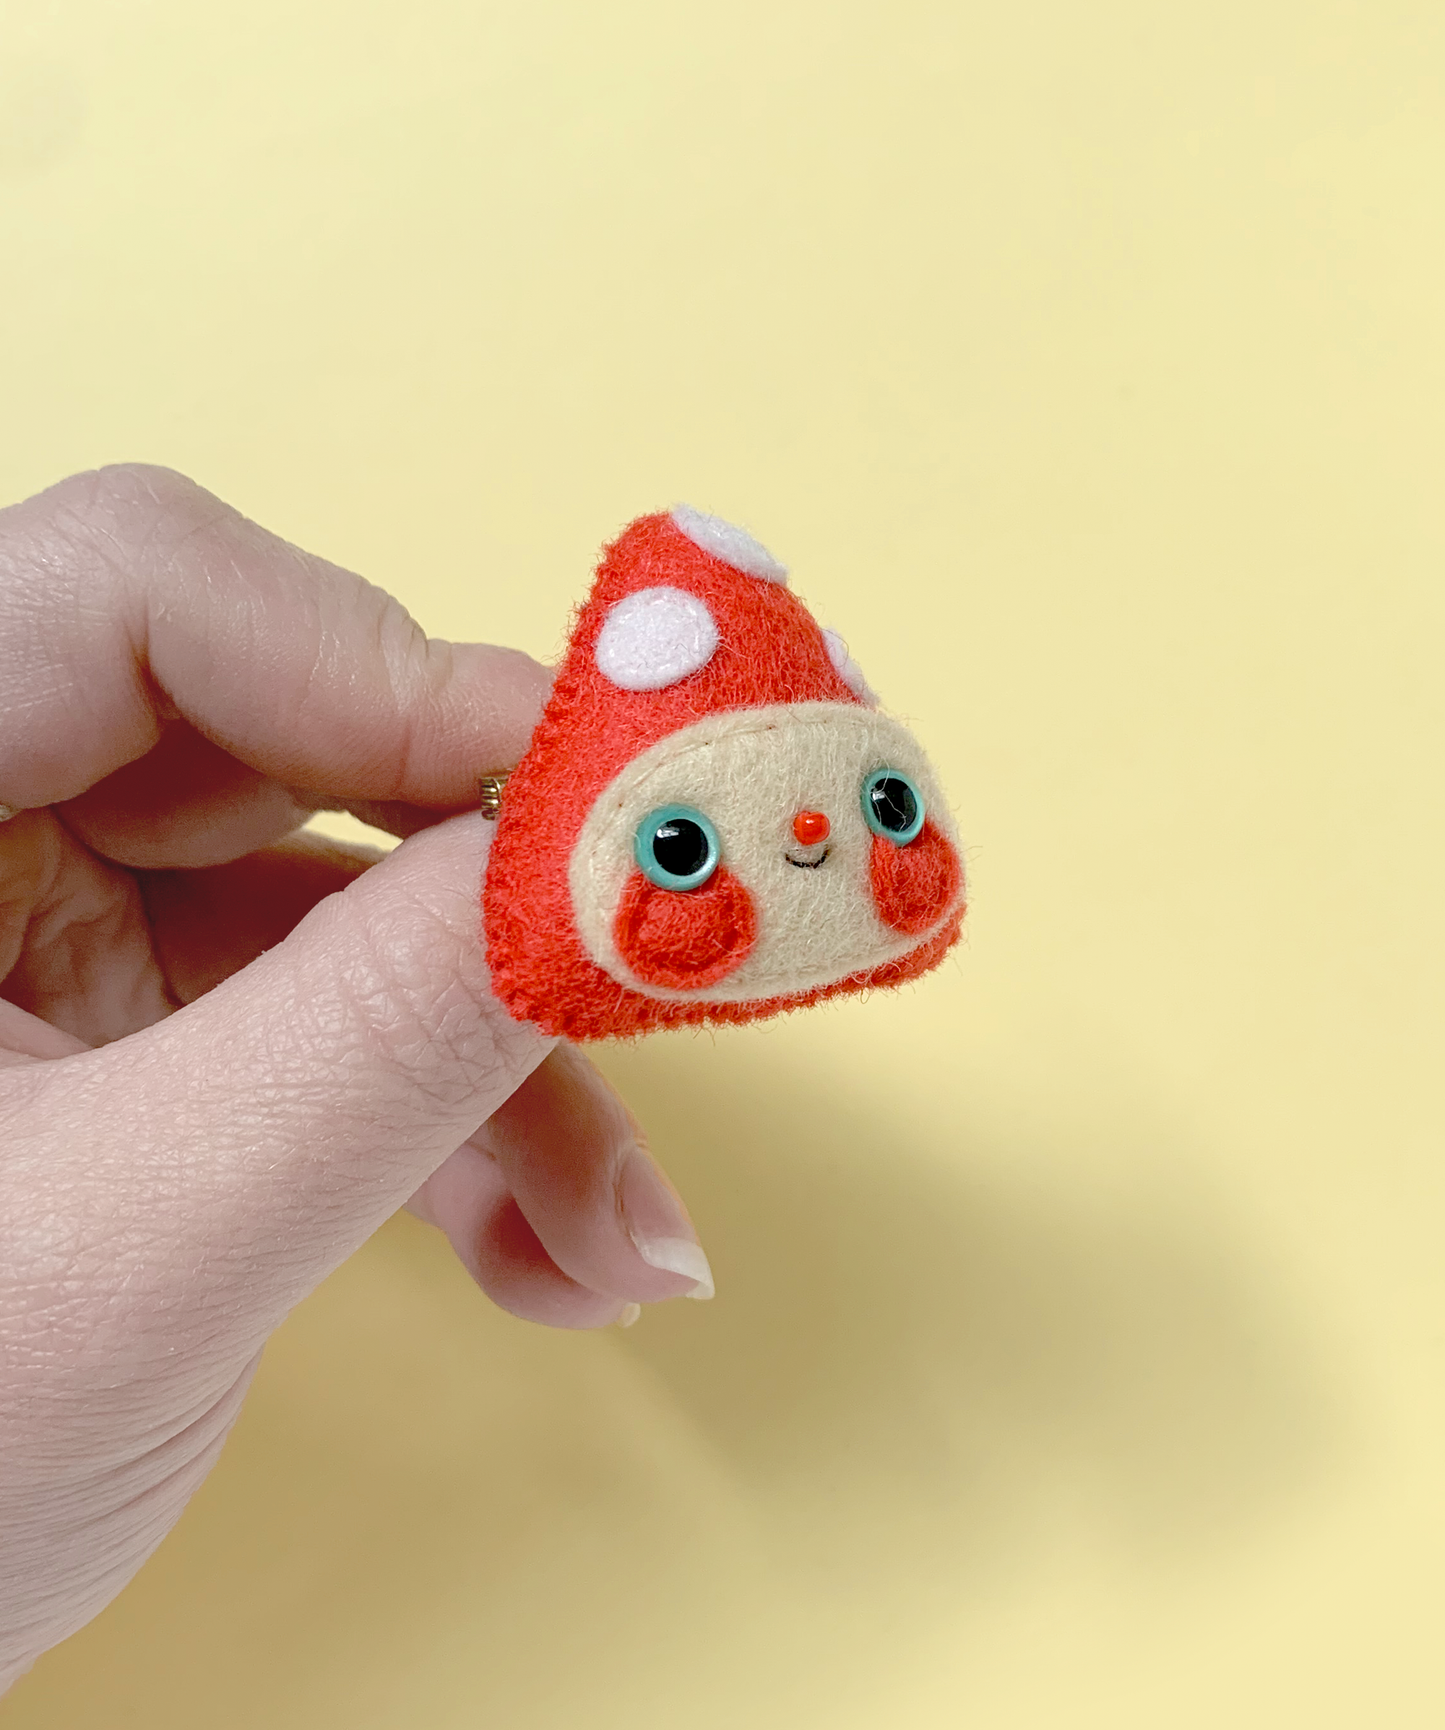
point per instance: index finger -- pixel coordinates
(130, 596)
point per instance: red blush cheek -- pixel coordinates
(914, 886)
(685, 939)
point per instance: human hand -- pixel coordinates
(228, 1052)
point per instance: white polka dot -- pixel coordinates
(654, 638)
(726, 541)
(848, 669)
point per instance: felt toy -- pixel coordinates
(714, 821)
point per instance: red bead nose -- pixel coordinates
(811, 827)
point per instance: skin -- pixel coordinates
(228, 1051)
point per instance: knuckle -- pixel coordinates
(134, 498)
(129, 484)
(109, 521)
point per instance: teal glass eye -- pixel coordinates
(676, 847)
(892, 806)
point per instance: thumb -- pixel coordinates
(230, 1156)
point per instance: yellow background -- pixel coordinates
(1079, 1353)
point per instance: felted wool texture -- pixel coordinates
(654, 638)
(726, 541)
(750, 773)
(770, 651)
(684, 940)
(848, 669)
(914, 886)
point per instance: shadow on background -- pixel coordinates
(930, 1355)
(924, 1341)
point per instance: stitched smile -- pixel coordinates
(808, 864)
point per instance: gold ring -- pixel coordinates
(489, 794)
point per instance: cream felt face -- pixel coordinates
(751, 773)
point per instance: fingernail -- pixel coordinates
(679, 1255)
(630, 1313)
(658, 1225)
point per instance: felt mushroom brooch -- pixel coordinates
(714, 821)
